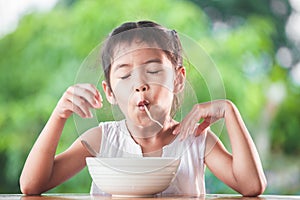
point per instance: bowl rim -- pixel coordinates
(102, 160)
(135, 158)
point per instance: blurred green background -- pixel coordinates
(254, 44)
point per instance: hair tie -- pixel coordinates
(173, 32)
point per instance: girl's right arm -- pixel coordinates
(43, 170)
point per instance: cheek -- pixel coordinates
(122, 93)
(165, 80)
(169, 83)
(163, 95)
(119, 87)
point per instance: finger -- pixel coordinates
(80, 104)
(66, 108)
(183, 131)
(98, 96)
(176, 130)
(200, 129)
(75, 109)
(89, 93)
(90, 87)
(188, 126)
(190, 130)
(186, 132)
(204, 125)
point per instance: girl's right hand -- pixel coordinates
(79, 99)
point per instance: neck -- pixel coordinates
(150, 132)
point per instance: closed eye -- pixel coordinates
(153, 71)
(125, 76)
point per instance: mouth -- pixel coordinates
(141, 105)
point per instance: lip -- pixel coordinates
(142, 103)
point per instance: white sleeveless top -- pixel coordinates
(117, 142)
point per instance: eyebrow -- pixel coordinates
(154, 60)
(121, 66)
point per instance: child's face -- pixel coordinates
(142, 76)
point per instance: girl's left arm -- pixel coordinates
(242, 169)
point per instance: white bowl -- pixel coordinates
(143, 176)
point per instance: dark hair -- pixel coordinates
(145, 31)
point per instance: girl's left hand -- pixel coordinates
(210, 112)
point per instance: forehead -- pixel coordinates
(137, 52)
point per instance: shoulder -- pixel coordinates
(92, 137)
(91, 133)
(214, 150)
(211, 139)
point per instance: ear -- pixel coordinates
(108, 92)
(179, 81)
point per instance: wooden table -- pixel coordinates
(89, 197)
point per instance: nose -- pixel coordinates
(139, 80)
(142, 88)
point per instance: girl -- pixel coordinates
(142, 63)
